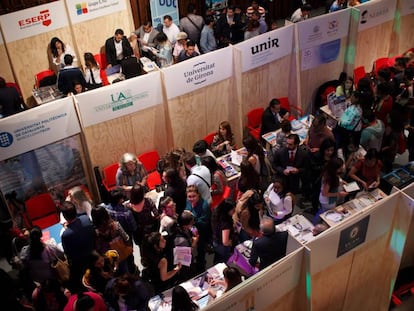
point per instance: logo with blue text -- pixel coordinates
(6, 139)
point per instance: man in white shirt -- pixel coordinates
(301, 14)
(200, 176)
(170, 29)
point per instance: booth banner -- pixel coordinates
(406, 7)
(34, 21)
(351, 234)
(37, 127)
(159, 8)
(81, 10)
(322, 29)
(119, 99)
(266, 48)
(255, 292)
(198, 72)
(373, 13)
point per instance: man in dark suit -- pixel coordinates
(78, 241)
(270, 247)
(272, 117)
(229, 28)
(116, 48)
(290, 162)
(10, 100)
(68, 75)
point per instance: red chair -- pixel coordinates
(45, 77)
(42, 211)
(217, 199)
(14, 85)
(380, 63)
(150, 159)
(209, 138)
(254, 121)
(294, 111)
(109, 179)
(359, 73)
(104, 77)
(101, 60)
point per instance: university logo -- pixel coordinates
(6, 139)
(81, 8)
(43, 18)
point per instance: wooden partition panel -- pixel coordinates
(371, 44)
(31, 55)
(329, 286)
(136, 133)
(405, 35)
(91, 35)
(195, 114)
(311, 79)
(260, 85)
(5, 71)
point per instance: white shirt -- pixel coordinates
(171, 32)
(202, 186)
(118, 49)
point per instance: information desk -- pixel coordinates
(299, 127)
(46, 94)
(230, 164)
(362, 201)
(196, 287)
(299, 227)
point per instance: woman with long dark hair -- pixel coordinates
(181, 300)
(223, 231)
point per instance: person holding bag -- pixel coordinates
(92, 72)
(111, 235)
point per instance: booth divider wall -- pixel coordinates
(364, 276)
(403, 37)
(375, 31)
(408, 252)
(6, 71)
(282, 286)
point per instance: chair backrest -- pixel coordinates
(101, 60)
(149, 159)
(359, 73)
(295, 111)
(254, 117)
(209, 137)
(110, 174)
(379, 63)
(45, 77)
(14, 85)
(42, 210)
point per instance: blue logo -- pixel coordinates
(6, 139)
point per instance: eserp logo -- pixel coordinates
(81, 8)
(42, 18)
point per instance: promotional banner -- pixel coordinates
(373, 13)
(198, 72)
(81, 10)
(266, 48)
(33, 21)
(159, 8)
(322, 29)
(320, 38)
(406, 7)
(37, 127)
(119, 99)
(366, 226)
